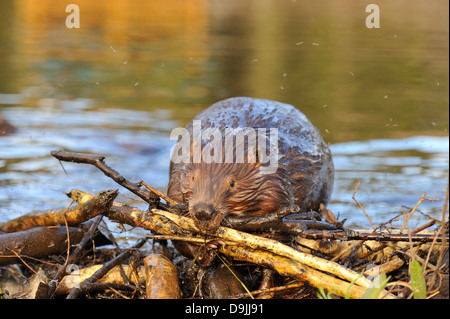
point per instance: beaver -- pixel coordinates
(219, 187)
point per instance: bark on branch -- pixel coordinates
(56, 217)
(99, 162)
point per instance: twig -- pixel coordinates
(395, 252)
(269, 290)
(29, 267)
(75, 293)
(73, 257)
(424, 226)
(94, 286)
(353, 197)
(162, 195)
(411, 255)
(382, 237)
(68, 238)
(98, 161)
(422, 198)
(442, 231)
(31, 258)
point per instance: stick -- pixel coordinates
(353, 197)
(73, 257)
(267, 290)
(387, 267)
(257, 242)
(114, 275)
(98, 161)
(382, 237)
(157, 192)
(76, 292)
(74, 216)
(35, 242)
(422, 198)
(442, 231)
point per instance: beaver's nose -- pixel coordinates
(203, 211)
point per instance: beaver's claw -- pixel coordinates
(207, 253)
(215, 244)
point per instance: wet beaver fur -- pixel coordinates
(218, 192)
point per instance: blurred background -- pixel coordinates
(135, 70)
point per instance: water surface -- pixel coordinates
(135, 70)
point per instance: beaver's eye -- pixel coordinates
(232, 183)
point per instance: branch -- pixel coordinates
(74, 216)
(382, 237)
(98, 161)
(76, 292)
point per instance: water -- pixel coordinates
(135, 70)
(393, 173)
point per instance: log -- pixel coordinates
(294, 269)
(161, 278)
(79, 289)
(55, 217)
(37, 242)
(78, 275)
(132, 216)
(257, 242)
(288, 265)
(252, 248)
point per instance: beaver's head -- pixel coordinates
(218, 190)
(235, 177)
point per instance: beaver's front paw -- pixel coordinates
(206, 253)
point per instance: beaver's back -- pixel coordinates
(304, 158)
(244, 112)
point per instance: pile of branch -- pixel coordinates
(324, 259)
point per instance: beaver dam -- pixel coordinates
(70, 253)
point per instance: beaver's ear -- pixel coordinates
(186, 181)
